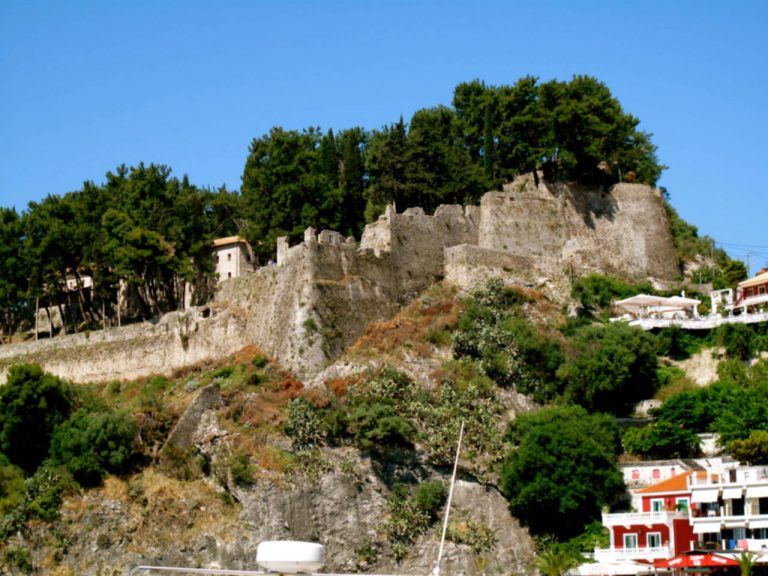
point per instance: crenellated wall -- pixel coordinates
(318, 298)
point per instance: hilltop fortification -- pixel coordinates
(318, 298)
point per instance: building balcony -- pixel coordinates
(643, 518)
(702, 323)
(746, 520)
(607, 555)
(757, 300)
(753, 545)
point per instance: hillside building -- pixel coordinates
(233, 256)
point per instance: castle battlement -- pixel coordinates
(317, 301)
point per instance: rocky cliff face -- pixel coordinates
(311, 306)
(339, 500)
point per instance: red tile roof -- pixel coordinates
(677, 483)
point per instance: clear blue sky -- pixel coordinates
(87, 86)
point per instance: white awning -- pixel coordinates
(732, 493)
(757, 491)
(755, 524)
(706, 495)
(706, 528)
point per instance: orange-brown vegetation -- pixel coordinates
(340, 386)
(436, 311)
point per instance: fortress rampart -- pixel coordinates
(306, 310)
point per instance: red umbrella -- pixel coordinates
(696, 560)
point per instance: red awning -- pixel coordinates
(696, 559)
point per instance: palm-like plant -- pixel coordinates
(555, 561)
(747, 562)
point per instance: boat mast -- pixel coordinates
(436, 569)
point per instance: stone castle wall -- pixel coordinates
(306, 310)
(573, 231)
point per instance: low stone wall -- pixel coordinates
(177, 341)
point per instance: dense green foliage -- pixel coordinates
(733, 407)
(32, 404)
(596, 293)
(604, 368)
(573, 130)
(142, 228)
(562, 469)
(609, 368)
(660, 441)
(52, 438)
(753, 450)
(91, 444)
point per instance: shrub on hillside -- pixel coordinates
(32, 404)
(661, 440)
(596, 293)
(376, 426)
(304, 426)
(609, 368)
(92, 444)
(11, 485)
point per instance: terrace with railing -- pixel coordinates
(647, 518)
(610, 555)
(701, 323)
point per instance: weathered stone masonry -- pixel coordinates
(317, 300)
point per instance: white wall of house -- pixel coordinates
(232, 260)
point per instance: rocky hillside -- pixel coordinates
(220, 474)
(320, 399)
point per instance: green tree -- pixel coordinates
(33, 404)
(284, 188)
(736, 339)
(438, 169)
(13, 280)
(471, 101)
(387, 169)
(697, 410)
(747, 411)
(734, 272)
(751, 451)
(562, 469)
(91, 444)
(609, 368)
(662, 440)
(353, 176)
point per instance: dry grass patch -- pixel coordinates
(416, 327)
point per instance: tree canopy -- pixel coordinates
(562, 470)
(147, 231)
(609, 368)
